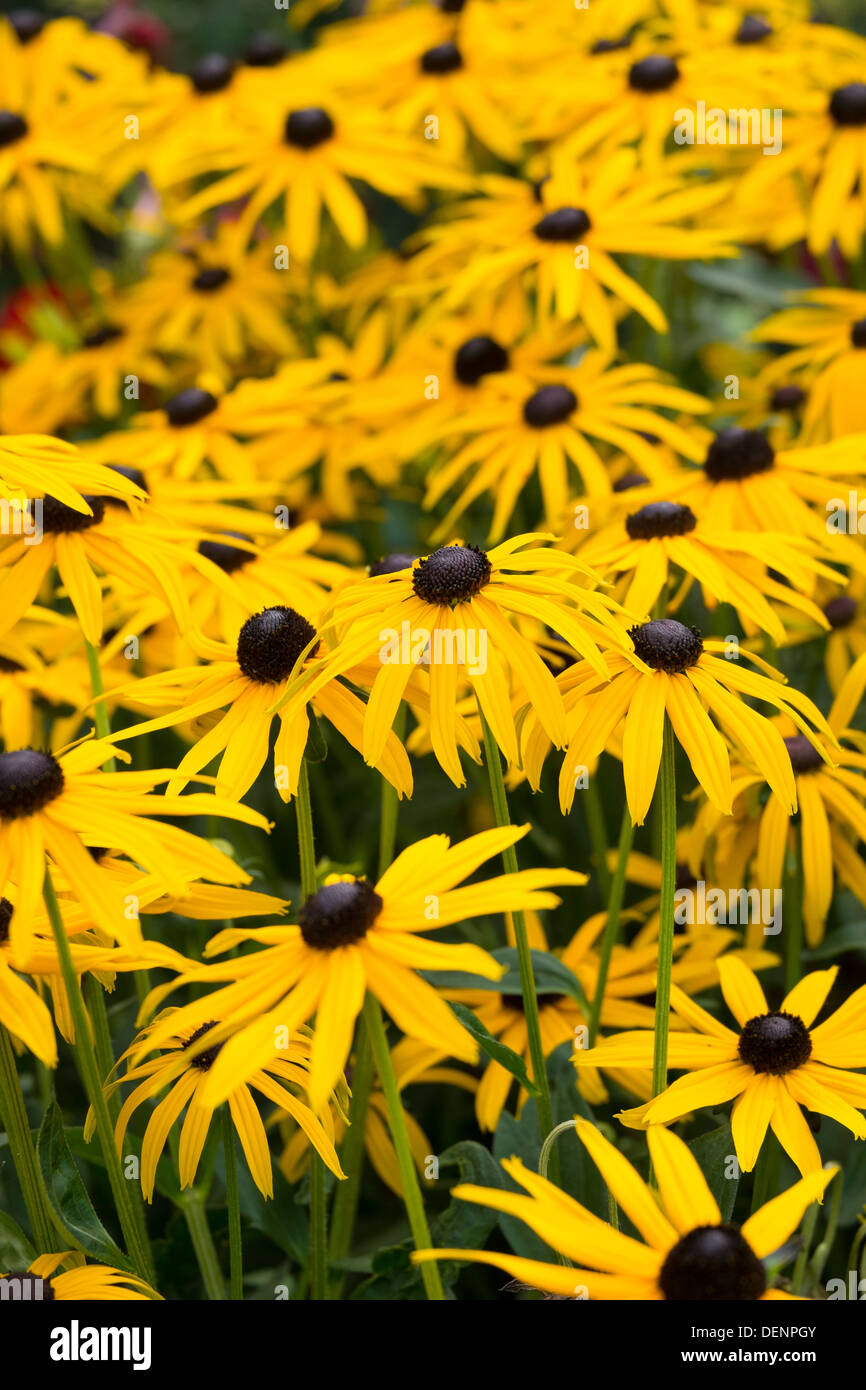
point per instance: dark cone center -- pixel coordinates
(787, 398)
(564, 224)
(653, 74)
(270, 643)
(108, 333)
(228, 557)
(551, 405)
(308, 127)
(753, 30)
(28, 24)
(264, 51)
(478, 357)
(213, 73)
(848, 104)
(452, 574)
(445, 57)
(712, 1263)
(190, 406)
(858, 334)
(736, 453)
(29, 780)
(213, 278)
(6, 910)
(658, 519)
(12, 128)
(803, 754)
(339, 914)
(840, 611)
(775, 1043)
(667, 645)
(392, 564)
(58, 519)
(26, 1288)
(203, 1060)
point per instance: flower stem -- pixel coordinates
(524, 956)
(236, 1249)
(318, 1206)
(135, 1241)
(400, 1136)
(792, 909)
(100, 712)
(668, 810)
(352, 1154)
(195, 1215)
(597, 837)
(611, 926)
(13, 1114)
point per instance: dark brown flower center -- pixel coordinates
(270, 643)
(478, 357)
(564, 224)
(658, 519)
(203, 1060)
(108, 333)
(451, 574)
(339, 914)
(803, 754)
(630, 480)
(25, 1288)
(228, 557)
(753, 30)
(550, 405)
(308, 127)
(29, 780)
(12, 128)
(392, 564)
(213, 73)
(712, 1263)
(653, 74)
(443, 58)
(858, 334)
(611, 45)
(190, 406)
(848, 104)
(58, 519)
(667, 645)
(6, 910)
(775, 1043)
(212, 278)
(787, 398)
(736, 453)
(264, 51)
(840, 611)
(28, 24)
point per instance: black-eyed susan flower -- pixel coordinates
(776, 1063)
(550, 429)
(457, 606)
(56, 805)
(186, 1071)
(686, 1253)
(37, 466)
(249, 678)
(353, 936)
(45, 1280)
(825, 333)
(673, 671)
(564, 233)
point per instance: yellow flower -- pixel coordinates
(81, 1283)
(686, 1251)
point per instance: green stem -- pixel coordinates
(100, 712)
(616, 893)
(352, 1154)
(766, 1183)
(136, 1243)
(809, 1224)
(597, 837)
(236, 1249)
(668, 816)
(397, 1120)
(318, 1230)
(195, 1215)
(318, 1207)
(13, 1114)
(524, 955)
(792, 912)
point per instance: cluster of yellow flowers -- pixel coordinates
(366, 422)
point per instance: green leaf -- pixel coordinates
(316, 750)
(16, 1252)
(850, 937)
(494, 1048)
(551, 977)
(67, 1194)
(713, 1152)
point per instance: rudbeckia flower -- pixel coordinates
(686, 1253)
(663, 543)
(354, 936)
(186, 1071)
(249, 678)
(33, 465)
(674, 671)
(81, 1283)
(547, 429)
(304, 152)
(458, 603)
(776, 1063)
(56, 805)
(826, 336)
(566, 231)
